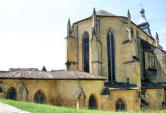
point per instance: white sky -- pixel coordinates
(32, 32)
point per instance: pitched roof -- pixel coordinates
(61, 75)
(104, 13)
(101, 13)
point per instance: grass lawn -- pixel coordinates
(42, 108)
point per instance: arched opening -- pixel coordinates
(86, 51)
(1, 90)
(120, 105)
(111, 56)
(11, 93)
(39, 97)
(144, 104)
(92, 102)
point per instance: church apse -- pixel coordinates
(111, 64)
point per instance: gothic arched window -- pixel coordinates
(11, 93)
(92, 102)
(120, 105)
(111, 56)
(86, 51)
(39, 97)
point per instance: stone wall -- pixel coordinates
(154, 98)
(130, 98)
(57, 92)
(76, 94)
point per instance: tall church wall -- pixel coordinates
(145, 37)
(156, 52)
(124, 49)
(161, 65)
(84, 26)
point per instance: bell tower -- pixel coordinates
(143, 23)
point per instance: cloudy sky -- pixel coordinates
(32, 32)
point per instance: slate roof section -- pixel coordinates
(42, 75)
(146, 85)
(104, 13)
(121, 85)
(100, 13)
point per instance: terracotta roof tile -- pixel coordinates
(60, 75)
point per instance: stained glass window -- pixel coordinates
(86, 51)
(111, 56)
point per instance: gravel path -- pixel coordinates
(5, 108)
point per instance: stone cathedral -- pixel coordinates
(111, 64)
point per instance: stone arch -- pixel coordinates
(85, 51)
(110, 30)
(80, 96)
(120, 105)
(23, 92)
(39, 97)
(111, 55)
(92, 103)
(11, 93)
